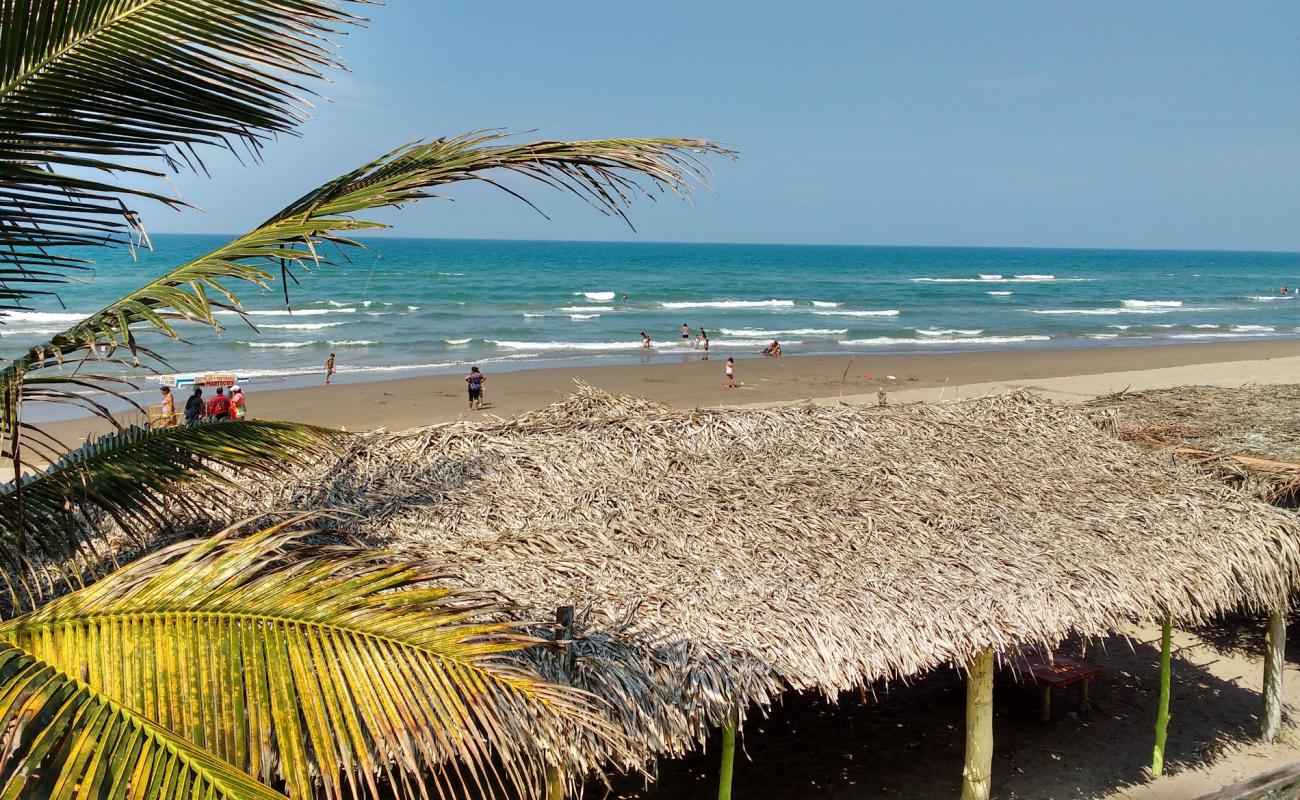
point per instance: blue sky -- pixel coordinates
(1164, 125)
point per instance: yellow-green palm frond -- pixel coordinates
(330, 668)
(61, 739)
(144, 479)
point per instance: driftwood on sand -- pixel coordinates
(719, 557)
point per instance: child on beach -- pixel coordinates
(475, 379)
(731, 373)
(645, 340)
(329, 368)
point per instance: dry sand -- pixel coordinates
(1064, 374)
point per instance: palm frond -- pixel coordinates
(92, 88)
(607, 173)
(144, 479)
(324, 666)
(61, 739)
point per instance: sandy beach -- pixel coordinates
(1063, 374)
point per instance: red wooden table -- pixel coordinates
(1055, 673)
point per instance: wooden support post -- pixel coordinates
(554, 783)
(1162, 711)
(977, 774)
(728, 757)
(1274, 665)
(555, 774)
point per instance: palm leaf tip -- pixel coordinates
(342, 664)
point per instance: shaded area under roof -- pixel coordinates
(718, 557)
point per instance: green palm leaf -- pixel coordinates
(320, 666)
(92, 87)
(144, 479)
(60, 739)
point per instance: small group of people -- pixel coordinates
(701, 339)
(218, 409)
(773, 350)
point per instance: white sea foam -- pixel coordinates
(512, 345)
(336, 304)
(791, 332)
(889, 312)
(595, 295)
(353, 343)
(302, 326)
(281, 345)
(457, 342)
(885, 340)
(284, 312)
(43, 316)
(1101, 336)
(825, 304)
(1003, 279)
(582, 309)
(583, 316)
(1110, 312)
(533, 316)
(1207, 325)
(1152, 303)
(999, 294)
(1120, 327)
(451, 274)
(8, 330)
(1253, 328)
(412, 308)
(1267, 298)
(730, 304)
(728, 342)
(1215, 335)
(948, 331)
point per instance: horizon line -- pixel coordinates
(383, 236)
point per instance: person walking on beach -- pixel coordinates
(329, 368)
(645, 340)
(168, 415)
(731, 373)
(194, 407)
(475, 379)
(219, 406)
(237, 408)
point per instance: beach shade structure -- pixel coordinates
(203, 379)
(1246, 437)
(717, 558)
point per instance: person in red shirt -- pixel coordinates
(219, 406)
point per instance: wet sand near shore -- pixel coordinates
(410, 402)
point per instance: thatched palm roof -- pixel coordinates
(1249, 435)
(723, 556)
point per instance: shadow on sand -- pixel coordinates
(908, 740)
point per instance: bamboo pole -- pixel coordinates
(1162, 711)
(728, 757)
(977, 774)
(1274, 665)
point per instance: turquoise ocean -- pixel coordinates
(421, 306)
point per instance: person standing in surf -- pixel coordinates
(645, 340)
(686, 333)
(475, 379)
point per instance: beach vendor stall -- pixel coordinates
(160, 416)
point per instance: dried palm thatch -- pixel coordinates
(719, 557)
(1249, 436)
